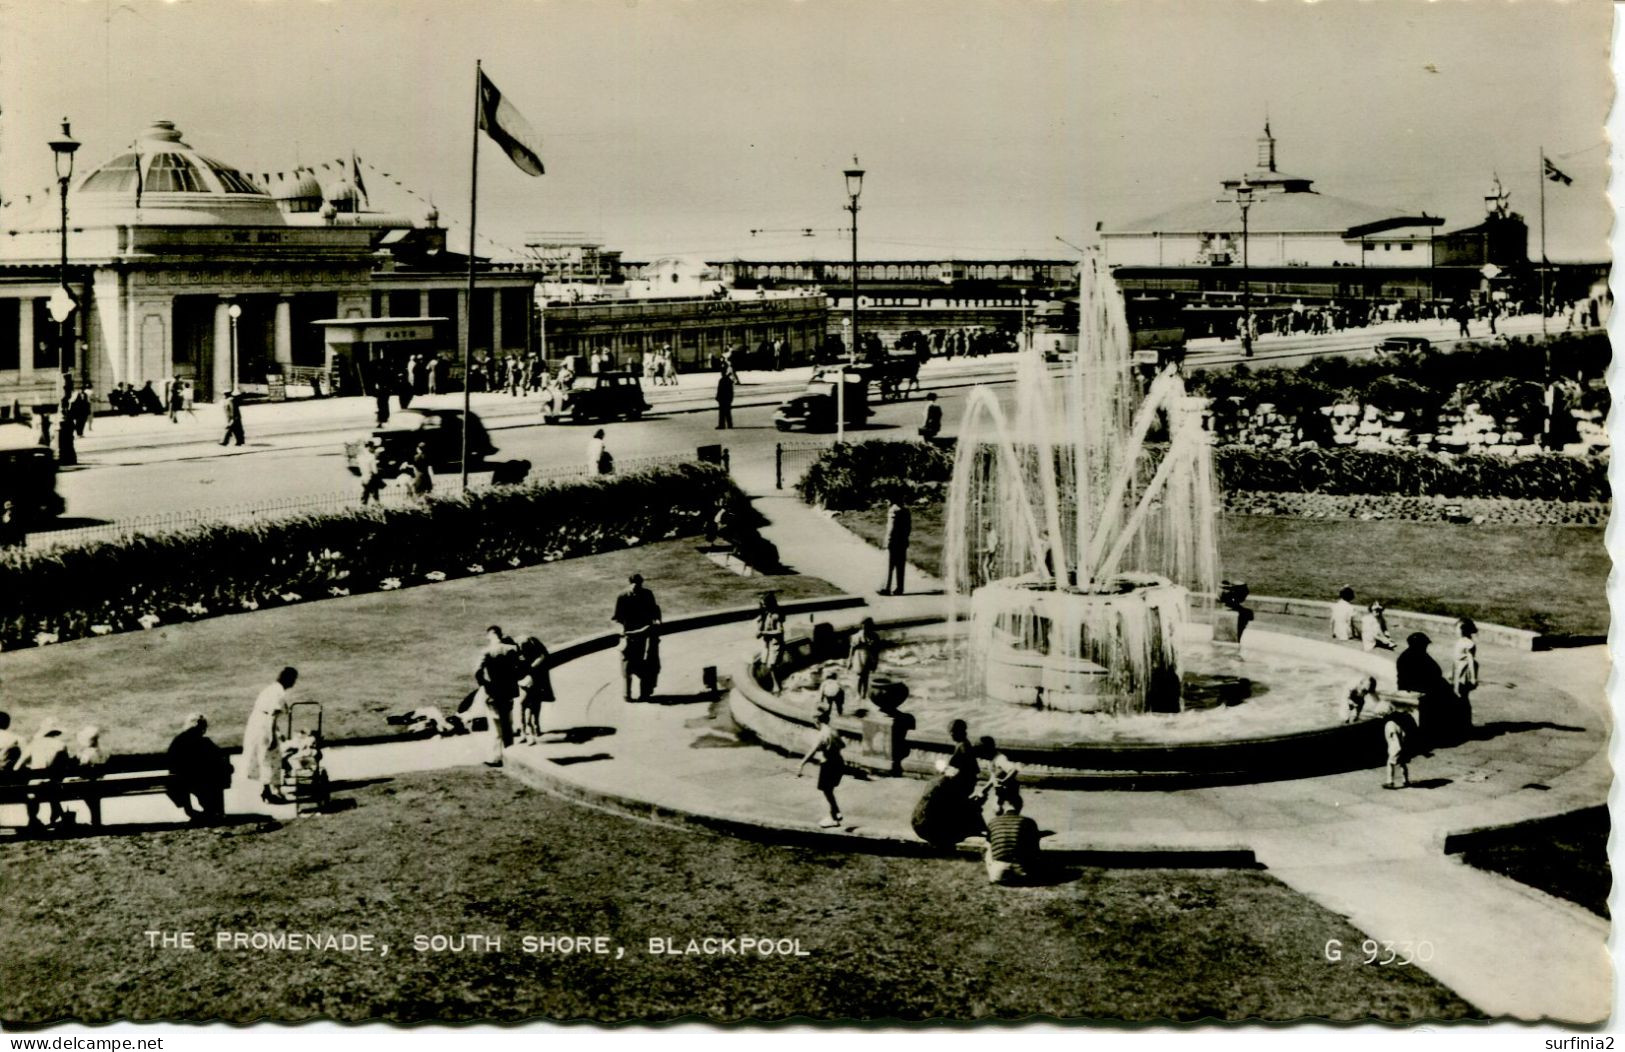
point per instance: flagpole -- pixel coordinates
(468, 308)
(1543, 244)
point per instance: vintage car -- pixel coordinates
(1398, 344)
(814, 408)
(598, 396)
(442, 429)
(28, 476)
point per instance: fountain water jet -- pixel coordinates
(1072, 542)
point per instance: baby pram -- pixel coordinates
(304, 778)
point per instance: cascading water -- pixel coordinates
(1072, 539)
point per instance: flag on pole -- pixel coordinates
(1555, 174)
(508, 129)
(355, 177)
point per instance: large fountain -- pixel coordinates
(1073, 540)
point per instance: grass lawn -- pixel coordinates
(1551, 579)
(476, 852)
(1566, 856)
(363, 656)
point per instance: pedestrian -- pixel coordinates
(381, 383)
(1464, 675)
(79, 412)
(46, 758)
(412, 373)
(371, 471)
(1343, 614)
(1360, 695)
(497, 672)
(932, 427)
(422, 472)
(1003, 778)
(831, 695)
(1394, 734)
(864, 655)
(45, 430)
(1012, 847)
(637, 613)
(433, 371)
(599, 459)
(234, 419)
(828, 749)
(11, 746)
(945, 814)
(1374, 629)
(263, 736)
(89, 763)
(13, 534)
(770, 631)
(535, 687)
(725, 399)
(66, 453)
(177, 399)
(899, 524)
(198, 770)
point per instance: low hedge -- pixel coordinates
(862, 475)
(61, 594)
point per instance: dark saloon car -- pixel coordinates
(814, 408)
(442, 429)
(599, 396)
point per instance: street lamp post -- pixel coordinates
(1026, 335)
(234, 312)
(62, 151)
(1244, 199)
(854, 187)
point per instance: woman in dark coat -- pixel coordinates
(198, 769)
(945, 814)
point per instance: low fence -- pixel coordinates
(791, 458)
(397, 492)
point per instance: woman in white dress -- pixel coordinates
(262, 738)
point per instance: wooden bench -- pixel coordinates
(133, 775)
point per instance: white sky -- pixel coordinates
(987, 127)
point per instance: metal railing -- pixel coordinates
(797, 455)
(397, 492)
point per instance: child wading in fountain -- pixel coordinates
(831, 695)
(864, 656)
(1395, 735)
(831, 766)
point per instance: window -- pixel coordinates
(1406, 247)
(233, 181)
(173, 173)
(116, 175)
(10, 319)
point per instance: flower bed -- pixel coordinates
(143, 581)
(866, 473)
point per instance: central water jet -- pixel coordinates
(1073, 539)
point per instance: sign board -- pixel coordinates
(276, 387)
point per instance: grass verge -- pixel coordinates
(363, 657)
(1551, 579)
(1566, 856)
(475, 852)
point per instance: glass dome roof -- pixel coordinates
(165, 180)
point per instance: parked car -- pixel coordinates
(815, 407)
(28, 476)
(600, 396)
(442, 429)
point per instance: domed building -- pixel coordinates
(184, 266)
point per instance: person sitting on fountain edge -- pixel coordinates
(1012, 847)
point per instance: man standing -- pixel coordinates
(177, 399)
(725, 399)
(496, 670)
(637, 613)
(933, 418)
(899, 524)
(234, 419)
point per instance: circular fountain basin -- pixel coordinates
(1269, 708)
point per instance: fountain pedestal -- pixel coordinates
(1070, 650)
